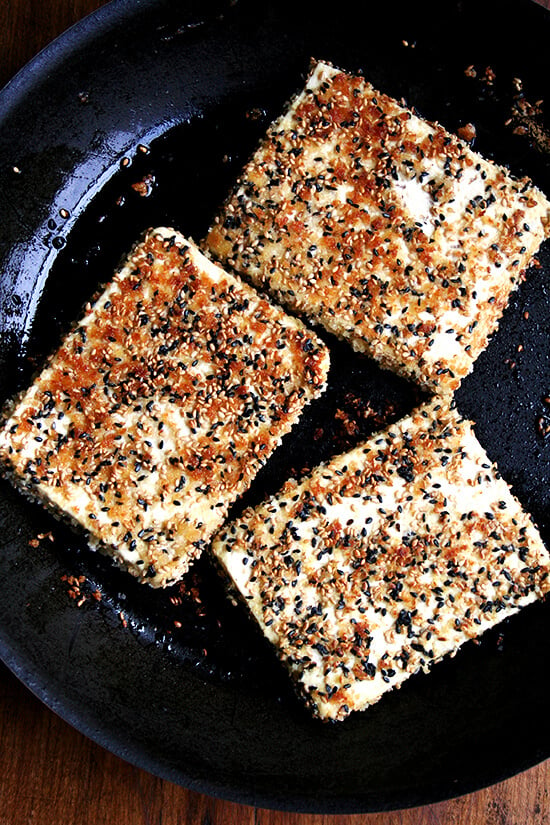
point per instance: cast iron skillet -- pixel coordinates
(179, 682)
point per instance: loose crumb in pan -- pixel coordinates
(79, 589)
(144, 187)
(35, 542)
(384, 560)
(467, 132)
(526, 118)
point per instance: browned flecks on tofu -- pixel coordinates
(386, 229)
(384, 559)
(161, 405)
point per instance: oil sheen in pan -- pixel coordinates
(157, 185)
(180, 180)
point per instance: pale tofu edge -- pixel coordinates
(358, 591)
(177, 509)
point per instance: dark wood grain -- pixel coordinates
(51, 775)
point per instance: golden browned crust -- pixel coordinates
(386, 229)
(384, 559)
(159, 408)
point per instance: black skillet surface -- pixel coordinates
(180, 682)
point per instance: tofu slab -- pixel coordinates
(384, 560)
(161, 405)
(386, 229)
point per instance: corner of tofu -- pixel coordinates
(161, 405)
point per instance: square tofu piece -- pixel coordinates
(161, 405)
(384, 228)
(384, 560)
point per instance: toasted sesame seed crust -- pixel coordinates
(161, 405)
(386, 229)
(384, 559)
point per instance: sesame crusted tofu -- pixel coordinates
(384, 559)
(384, 228)
(161, 405)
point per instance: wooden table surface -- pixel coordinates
(50, 773)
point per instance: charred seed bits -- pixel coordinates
(385, 228)
(384, 560)
(160, 407)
